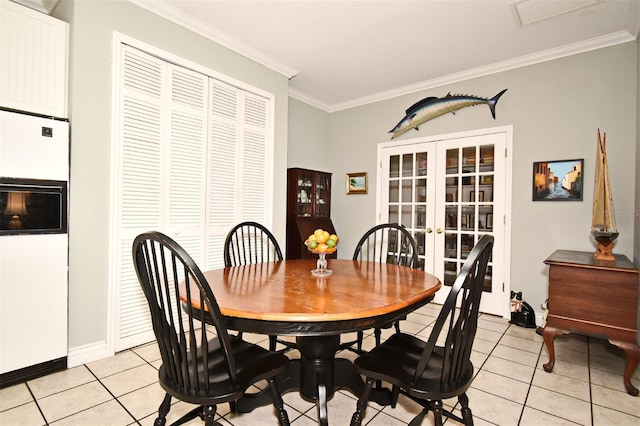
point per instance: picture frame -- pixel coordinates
(357, 183)
(558, 180)
(472, 196)
(488, 223)
(486, 179)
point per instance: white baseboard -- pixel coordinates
(88, 353)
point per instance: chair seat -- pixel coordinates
(395, 361)
(253, 363)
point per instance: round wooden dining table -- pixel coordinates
(284, 298)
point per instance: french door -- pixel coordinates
(449, 191)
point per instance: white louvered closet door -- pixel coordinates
(239, 178)
(193, 157)
(186, 168)
(160, 174)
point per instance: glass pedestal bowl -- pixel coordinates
(321, 265)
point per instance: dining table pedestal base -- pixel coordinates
(317, 375)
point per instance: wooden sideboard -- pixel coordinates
(593, 297)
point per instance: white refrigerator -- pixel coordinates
(34, 171)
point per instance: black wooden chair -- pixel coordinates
(385, 243)
(249, 243)
(196, 368)
(423, 371)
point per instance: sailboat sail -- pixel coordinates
(604, 220)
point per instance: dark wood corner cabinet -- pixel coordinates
(593, 297)
(308, 208)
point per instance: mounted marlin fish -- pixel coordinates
(432, 107)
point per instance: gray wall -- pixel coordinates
(91, 48)
(555, 109)
(308, 145)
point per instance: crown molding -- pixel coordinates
(178, 17)
(303, 97)
(536, 58)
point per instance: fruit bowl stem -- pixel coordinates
(321, 267)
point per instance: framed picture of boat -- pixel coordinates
(559, 180)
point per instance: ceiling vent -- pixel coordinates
(527, 12)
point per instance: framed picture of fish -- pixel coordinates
(357, 183)
(560, 180)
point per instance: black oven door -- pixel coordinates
(32, 206)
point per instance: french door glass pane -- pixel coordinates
(421, 190)
(450, 272)
(452, 161)
(407, 165)
(420, 216)
(469, 159)
(486, 158)
(406, 216)
(488, 278)
(393, 214)
(394, 192)
(421, 164)
(394, 166)
(407, 185)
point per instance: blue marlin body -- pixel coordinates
(432, 107)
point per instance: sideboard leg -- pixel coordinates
(548, 334)
(632, 352)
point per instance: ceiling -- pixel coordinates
(344, 53)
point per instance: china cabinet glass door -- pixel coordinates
(323, 195)
(313, 194)
(449, 193)
(304, 207)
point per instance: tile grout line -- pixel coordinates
(36, 402)
(524, 404)
(111, 393)
(484, 362)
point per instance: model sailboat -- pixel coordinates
(603, 225)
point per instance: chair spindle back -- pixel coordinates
(249, 243)
(460, 323)
(171, 280)
(388, 243)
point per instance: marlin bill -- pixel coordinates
(432, 107)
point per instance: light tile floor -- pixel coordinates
(510, 387)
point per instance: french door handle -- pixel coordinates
(429, 230)
(439, 230)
